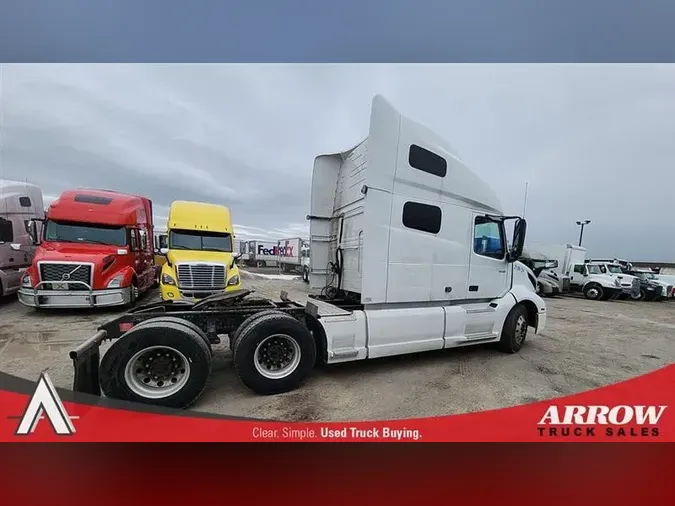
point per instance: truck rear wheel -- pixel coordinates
(246, 323)
(274, 353)
(514, 331)
(162, 363)
(179, 321)
(593, 291)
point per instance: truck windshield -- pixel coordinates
(200, 241)
(614, 269)
(594, 269)
(86, 233)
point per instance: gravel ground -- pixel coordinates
(586, 345)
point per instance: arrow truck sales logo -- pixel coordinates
(45, 403)
(609, 421)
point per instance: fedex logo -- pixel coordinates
(263, 250)
(286, 250)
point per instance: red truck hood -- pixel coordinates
(72, 252)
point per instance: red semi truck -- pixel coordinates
(96, 249)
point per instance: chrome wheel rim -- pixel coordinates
(277, 356)
(593, 293)
(521, 329)
(157, 372)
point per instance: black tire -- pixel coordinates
(179, 321)
(305, 274)
(246, 323)
(593, 291)
(168, 334)
(254, 334)
(641, 296)
(514, 331)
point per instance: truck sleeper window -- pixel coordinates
(200, 241)
(6, 231)
(488, 238)
(85, 233)
(422, 217)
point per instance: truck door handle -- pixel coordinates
(448, 289)
(473, 288)
(11, 259)
(502, 271)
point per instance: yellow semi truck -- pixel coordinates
(200, 256)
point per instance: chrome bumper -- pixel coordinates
(35, 297)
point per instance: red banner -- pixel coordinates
(636, 410)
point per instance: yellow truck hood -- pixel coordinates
(215, 257)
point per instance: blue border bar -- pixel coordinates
(337, 31)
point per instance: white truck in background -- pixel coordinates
(549, 282)
(630, 285)
(20, 203)
(586, 279)
(262, 254)
(294, 256)
(409, 254)
(241, 250)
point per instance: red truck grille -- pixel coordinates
(61, 273)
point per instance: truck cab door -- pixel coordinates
(488, 266)
(578, 275)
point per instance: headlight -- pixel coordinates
(168, 280)
(234, 280)
(116, 281)
(26, 281)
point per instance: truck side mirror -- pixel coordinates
(518, 242)
(33, 232)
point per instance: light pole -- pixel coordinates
(582, 224)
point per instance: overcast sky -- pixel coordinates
(594, 141)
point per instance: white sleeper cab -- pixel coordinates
(408, 252)
(400, 225)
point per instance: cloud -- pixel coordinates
(594, 142)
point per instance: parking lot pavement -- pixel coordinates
(587, 344)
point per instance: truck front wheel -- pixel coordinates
(593, 291)
(514, 331)
(274, 353)
(160, 363)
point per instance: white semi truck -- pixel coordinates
(20, 203)
(408, 252)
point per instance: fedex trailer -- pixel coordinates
(291, 254)
(262, 254)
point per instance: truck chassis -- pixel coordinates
(207, 319)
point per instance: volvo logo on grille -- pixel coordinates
(65, 277)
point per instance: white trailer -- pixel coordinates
(293, 253)
(408, 251)
(262, 254)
